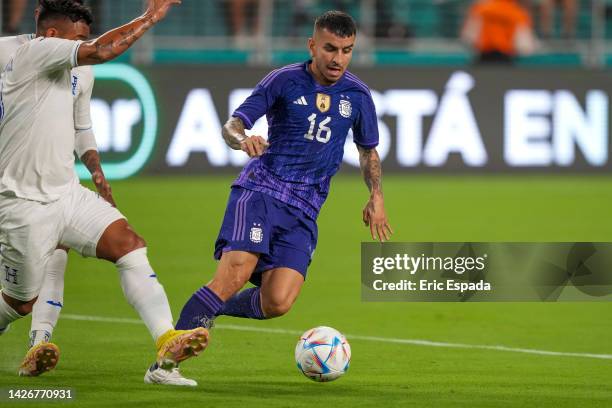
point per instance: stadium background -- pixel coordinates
(470, 154)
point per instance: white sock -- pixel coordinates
(50, 301)
(143, 291)
(7, 315)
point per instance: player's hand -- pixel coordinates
(157, 9)
(374, 216)
(254, 146)
(104, 189)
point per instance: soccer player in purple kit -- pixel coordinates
(269, 231)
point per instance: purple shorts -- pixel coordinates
(281, 234)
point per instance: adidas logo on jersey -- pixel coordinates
(301, 101)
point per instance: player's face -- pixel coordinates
(331, 55)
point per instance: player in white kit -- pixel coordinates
(46, 311)
(42, 205)
(42, 356)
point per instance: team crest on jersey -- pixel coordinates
(256, 234)
(323, 102)
(346, 109)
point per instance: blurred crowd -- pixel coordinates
(501, 30)
(12, 14)
(498, 30)
(15, 12)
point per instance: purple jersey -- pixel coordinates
(308, 126)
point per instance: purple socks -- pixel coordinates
(244, 304)
(200, 310)
(204, 305)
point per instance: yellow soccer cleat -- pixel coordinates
(175, 346)
(40, 358)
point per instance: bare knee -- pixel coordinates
(129, 243)
(118, 240)
(126, 244)
(233, 272)
(24, 308)
(239, 263)
(280, 288)
(276, 306)
(238, 271)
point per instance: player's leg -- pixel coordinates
(12, 309)
(39, 359)
(285, 265)
(280, 288)
(244, 237)
(233, 272)
(47, 308)
(98, 229)
(45, 314)
(28, 235)
(121, 245)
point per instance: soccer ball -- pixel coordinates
(322, 354)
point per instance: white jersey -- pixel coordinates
(8, 46)
(37, 120)
(82, 76)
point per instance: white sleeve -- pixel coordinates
(85, 138)
(85, 141)
(51, 53)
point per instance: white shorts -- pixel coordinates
(30, 232)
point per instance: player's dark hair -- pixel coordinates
(76, 1)
(336, 22)
(72, 9)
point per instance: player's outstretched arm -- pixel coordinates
(91, 160)
(115, 42)
(236, 138)
(374, 214)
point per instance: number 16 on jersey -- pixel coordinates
(323, 133)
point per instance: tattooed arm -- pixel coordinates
(374, 214)
(235, 137)
(91, 160)
(115, 42)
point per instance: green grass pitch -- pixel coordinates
(104, 362)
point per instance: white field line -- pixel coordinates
(414, 342)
